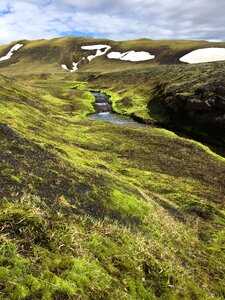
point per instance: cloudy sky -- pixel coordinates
(114, 19)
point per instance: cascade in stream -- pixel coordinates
(102, 104)
(104, 111)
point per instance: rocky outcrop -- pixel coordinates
(200, 111)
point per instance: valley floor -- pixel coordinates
(93, 210)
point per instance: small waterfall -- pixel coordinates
(102, 103)
(104, 111)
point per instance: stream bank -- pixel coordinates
(104, 112)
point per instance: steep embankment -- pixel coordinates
(84, 215)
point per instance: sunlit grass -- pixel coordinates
(93, 210)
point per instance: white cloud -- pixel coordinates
(118, 19)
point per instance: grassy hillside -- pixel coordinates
(178, 96)
(46, 56)
(92, 210)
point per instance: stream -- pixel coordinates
(104, 112)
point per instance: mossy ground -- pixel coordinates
(91, 210)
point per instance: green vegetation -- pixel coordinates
(46, 56)
(163, 94)
(93, 210)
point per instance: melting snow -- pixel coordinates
(100, 50)
(204, 55)
(95, 47)
(11, 51)
(65, 67)
(131, 56)
(114, 55)
(74, 68)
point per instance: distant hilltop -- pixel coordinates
(87, 54)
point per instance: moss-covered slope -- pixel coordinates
(92, 210)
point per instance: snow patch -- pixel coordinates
(131, 56)
(100, 50)
(65, 67)
(11, 52)
(74, 68)
(204, 55)
(114, 55)
(95, 47)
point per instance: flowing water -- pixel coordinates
(104, 112)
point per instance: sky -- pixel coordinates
(113, 19)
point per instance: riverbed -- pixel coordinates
(104, 112)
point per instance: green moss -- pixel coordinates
(16, 179)
(4, 273)
(101, 211)
(128, 204)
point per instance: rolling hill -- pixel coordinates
(94, 210)
(46, 56)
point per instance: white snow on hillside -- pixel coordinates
(204, 55)
(11, 51)
(65, 67)
(131, 56)
(74, 68)
(100, 50)
(115, 55)
(95, 47)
